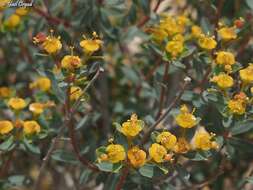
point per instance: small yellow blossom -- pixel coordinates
(3, 4)
(13, 21)
(225, 58)
(115, 153)
(182, 146)
(246, 74)
(31, 127)
(91, 45)
(174, 48)
(19, 123)
(41, 83)
(167, 139)
(158, 34)
(17, 103)
(196, 31)
(227, 33)
(5, 92)
(157, 152)
(22, 11)
(52, 44)
(5, 127)
(36, 108)
(71, 62)
(75, 93)
(236, 107)
(238, 104)
(132, 127)
(173, 26)
(136, 156)
(207, 42)
(185, 119)
(203, 140)
(223, 80)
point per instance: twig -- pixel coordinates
(122, 178)
(147, 17)
(52, 20)
(163, 89)
(6, 165)
(164, 115)
(47, 157)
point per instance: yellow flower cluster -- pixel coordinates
(186, 119)
(168, 27)
(223, 80)
(175, 46)
(14, 20)
(41, 83)
(238, 104)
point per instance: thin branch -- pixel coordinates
(47, 157)
(163, 89)
(164, 115)
(6, 165)
(122, 178)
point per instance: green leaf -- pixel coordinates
(31, 147)
(64, 156)
(163, 168)
(8, 144)
(178, 64)
(147, 170)
(109, 167)
(242, 127)
(16, 180)
(154, 135)
(100, 150)
(184, 174)
(250, 3)
(117, 126)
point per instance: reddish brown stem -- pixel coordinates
(122, 178)
(163, 89)
(6, 165)
(52, 20)
(147, 17)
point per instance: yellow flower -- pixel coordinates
(22, 11)
(42, 83)
(227, 33)
(71, 62)
(36, 108)
(75, 93)
(196, 31)
(136, 156)
(31, 127)
(173, 26)
(237, 107)
(52, 44)
(167, 139)
(5, 127)
(186, 119)
(132, 127)
(203, 140)
(238, 104)
(5, 92)
(157, 152)
(91, 45)
(13, 21)
(246, 74)
(17, 103)
(225, 58)
(223, 80)
(174, 48)
(115, 153)
(182, 146)
(206, 42)
(158, 34)
(3, 4)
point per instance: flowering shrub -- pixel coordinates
(126, 95)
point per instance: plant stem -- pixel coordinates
(163, 116)
(122, 178)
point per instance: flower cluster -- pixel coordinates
(165, 144)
